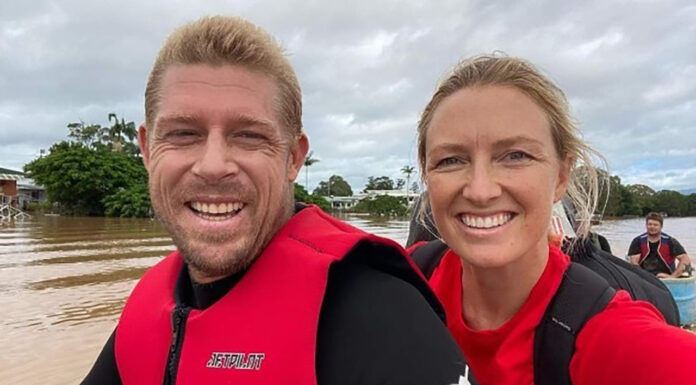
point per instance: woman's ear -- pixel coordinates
(563, 178)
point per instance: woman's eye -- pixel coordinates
(517, 156)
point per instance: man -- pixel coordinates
(260, 291)
(657, 252)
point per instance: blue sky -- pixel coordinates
(367, 68)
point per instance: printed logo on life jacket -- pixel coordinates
(241, 361)
(463, 379)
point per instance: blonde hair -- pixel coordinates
(487, 70)
(221, 40)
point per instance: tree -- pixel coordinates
(97, 171)
(301, 195)
(379, 183)
(382, 205)
(643, 199)
(414, 187)
(336, 186)
(80, 178)
(671, 202)
(309, 161)
(407, 170)
(121, 131)
(691, 205)
(400, 183)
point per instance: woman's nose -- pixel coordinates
(481, 185)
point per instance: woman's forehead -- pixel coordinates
(488, 115)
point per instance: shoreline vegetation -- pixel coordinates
(98, 171)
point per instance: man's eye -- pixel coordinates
(448, 162)
(182, 136)
(251, 135)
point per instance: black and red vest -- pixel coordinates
(263, 331)
(663, 250)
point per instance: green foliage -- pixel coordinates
(82, 173)
(400, 183)
(301, 195)
(339, 187)
(132, 202)
(379, 183)
(382, 205)
(638, 200)
(671, 202)
(120, 137)
(39, 207)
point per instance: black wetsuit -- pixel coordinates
(373, 329)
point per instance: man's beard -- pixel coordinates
(222, 261)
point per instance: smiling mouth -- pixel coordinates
(486, 222)
(216, 211)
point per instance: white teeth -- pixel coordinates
(485, 222)
(219, 210)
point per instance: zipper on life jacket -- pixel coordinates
(179, 316)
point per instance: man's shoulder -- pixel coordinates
(639, 238)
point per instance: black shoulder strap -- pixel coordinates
(428, 256)
(582, 294)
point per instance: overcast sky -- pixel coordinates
(367, 68)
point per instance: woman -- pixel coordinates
(497, 148)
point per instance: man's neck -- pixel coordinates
(654, 238)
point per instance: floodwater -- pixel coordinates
(64, 280)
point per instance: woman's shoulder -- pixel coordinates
(614, 343)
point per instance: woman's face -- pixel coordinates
(493, 174)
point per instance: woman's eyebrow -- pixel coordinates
(517, 140)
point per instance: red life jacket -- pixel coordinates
(263, 331)
(663, 250)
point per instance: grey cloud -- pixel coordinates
(367, 68)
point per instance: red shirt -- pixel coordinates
(627, 343)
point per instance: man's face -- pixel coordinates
(653, 227)
(220, 165)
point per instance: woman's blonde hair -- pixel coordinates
(499, 70)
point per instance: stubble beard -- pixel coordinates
(214, 259)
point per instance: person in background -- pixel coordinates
(497, 148)
(260, 290)
(658, 252)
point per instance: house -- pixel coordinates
(18, 190)
(346, 203)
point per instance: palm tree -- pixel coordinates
(407, 170)
(308, 162)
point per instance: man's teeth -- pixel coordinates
(217, 208)
(486, 222)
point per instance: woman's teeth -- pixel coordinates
(486, 222)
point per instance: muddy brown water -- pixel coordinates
(64, 281)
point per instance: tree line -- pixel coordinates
(639, 199)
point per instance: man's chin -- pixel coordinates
(211, 260)
(208, 269)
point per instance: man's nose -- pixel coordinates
(481, 185)
(216, 161)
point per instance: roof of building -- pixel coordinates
(10, 172)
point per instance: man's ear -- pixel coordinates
(563, 178)
(142, 142)
(298, 152)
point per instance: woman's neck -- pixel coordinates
(492, 296)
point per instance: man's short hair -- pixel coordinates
(655, 217)
(221, 40)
